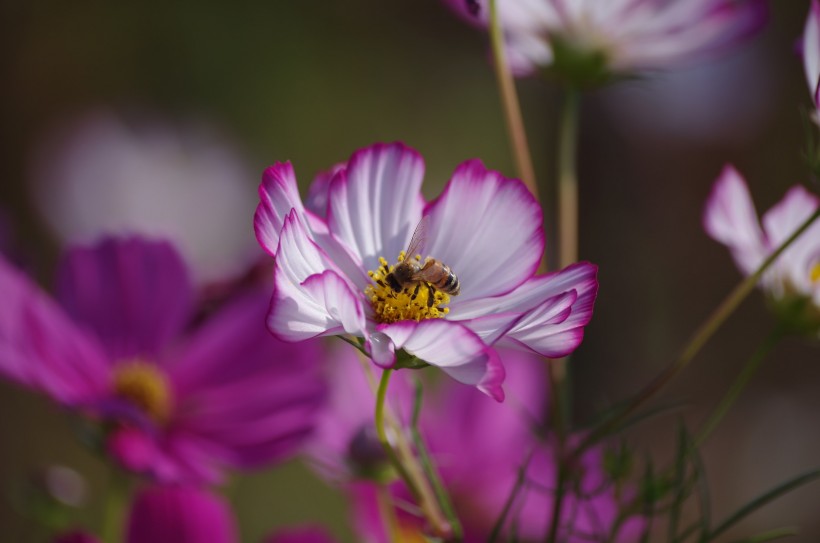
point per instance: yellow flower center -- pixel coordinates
(145, 386)
(412, 303)
(814, 274)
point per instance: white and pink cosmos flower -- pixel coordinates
(731, 219)
(331, 260)
(811, 52)
(627, 36)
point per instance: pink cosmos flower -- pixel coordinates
(731, 219)
(811, 51)
(331, 266)
(616, 36)
(180, 514)
(478, 472)
(178, 402)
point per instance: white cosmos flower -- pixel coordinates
(731, 219)
(811, 51)
(626, 35)
(486, 228)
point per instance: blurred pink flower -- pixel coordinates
(731, 219)
(811, 51)
(180, 514)
(186, 183)
(304, 534)
(478, 447)
(616, 36)
(177, 403)
(330, 268)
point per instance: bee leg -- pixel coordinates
(431, 295)
(415, 291)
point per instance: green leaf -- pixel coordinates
(762, 500)
(771, 535)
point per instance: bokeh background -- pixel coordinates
(311, 82)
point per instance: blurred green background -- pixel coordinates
(312, 81)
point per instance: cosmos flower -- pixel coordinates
(594, 38)
(180, 514)
(104, 173)
(332, 268)
(811, 51)
(731, 219)
(175, 402)
(478, 473)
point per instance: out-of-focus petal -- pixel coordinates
(488, 229)
(453, 348)
(254, 412)
(42, 349)
(375, 204)
(135, 294)
(731, 219)
(180, 514)
(811, 49)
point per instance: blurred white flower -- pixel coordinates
(186, 183)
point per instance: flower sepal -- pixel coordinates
(797, 314)
(578, 66)
(405, 360)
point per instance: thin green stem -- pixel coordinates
(430, 469)
(738, 385)
(568, 179)
(381, 397)
(696, 343)
(412, 474)
(509, 101)
(116, 499)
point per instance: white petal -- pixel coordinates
(376, 203)
(453, 348)
(310, 295)
(488, 229)
(811, 48)
(278, 195)
(731, 219)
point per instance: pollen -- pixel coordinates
(412, 303)
(145, 386)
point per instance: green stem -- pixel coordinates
(116, 499)
(509, 101)
(414, 479)
(696, 343)
(557, 504)
(381, 396)
(568, 180)
(738, 385)
(430, 469)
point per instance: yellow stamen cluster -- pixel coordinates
(814, 274)
(145, 386)
(412, 303)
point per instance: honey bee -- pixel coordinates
(433, 273)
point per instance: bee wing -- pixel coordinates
(418, 239)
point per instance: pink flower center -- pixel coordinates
(145, 386)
